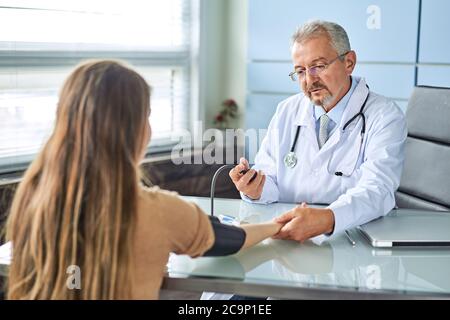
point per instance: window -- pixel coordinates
(42, 40)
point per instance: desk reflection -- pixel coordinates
(332, 264)
(335, 263)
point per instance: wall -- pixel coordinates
(434, 49)
(211, 66)
(236, 51)
(399, 44)
(223, 56)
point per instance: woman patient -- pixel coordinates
(81, 202)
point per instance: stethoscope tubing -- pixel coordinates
(360, 113)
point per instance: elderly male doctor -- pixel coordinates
(336, 143)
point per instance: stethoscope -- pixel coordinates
(290, 159)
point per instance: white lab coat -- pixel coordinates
(373, 167)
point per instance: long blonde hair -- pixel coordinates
(76, 204)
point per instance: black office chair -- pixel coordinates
(425, 182)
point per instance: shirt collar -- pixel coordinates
(336, 113)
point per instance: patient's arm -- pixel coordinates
(230, 239)
(260, 231)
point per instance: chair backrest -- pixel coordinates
(425, 182)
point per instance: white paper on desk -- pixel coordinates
(5, 253)
(318, 240)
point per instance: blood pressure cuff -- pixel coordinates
(228, 239)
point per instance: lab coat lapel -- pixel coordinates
(305, 119)
(354, 105)
(304, 116)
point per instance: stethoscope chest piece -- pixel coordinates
(290, 160)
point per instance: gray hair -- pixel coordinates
(314, 28)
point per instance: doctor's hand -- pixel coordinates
(250, 183)
(303, 222)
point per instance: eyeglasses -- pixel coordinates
(314, 70)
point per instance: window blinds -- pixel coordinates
(42, 40)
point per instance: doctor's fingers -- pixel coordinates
(258, 179)
(262, 179)
(290, 232)
(249, 179)
(286, 217)
(285, 233)
(250, 186)
(244, 162)
(235, 174)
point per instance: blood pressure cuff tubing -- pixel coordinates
(228, 239)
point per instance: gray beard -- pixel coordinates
(326, 101)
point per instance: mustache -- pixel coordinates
(316, 86)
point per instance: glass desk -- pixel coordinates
(333, 270)
(289, 270)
